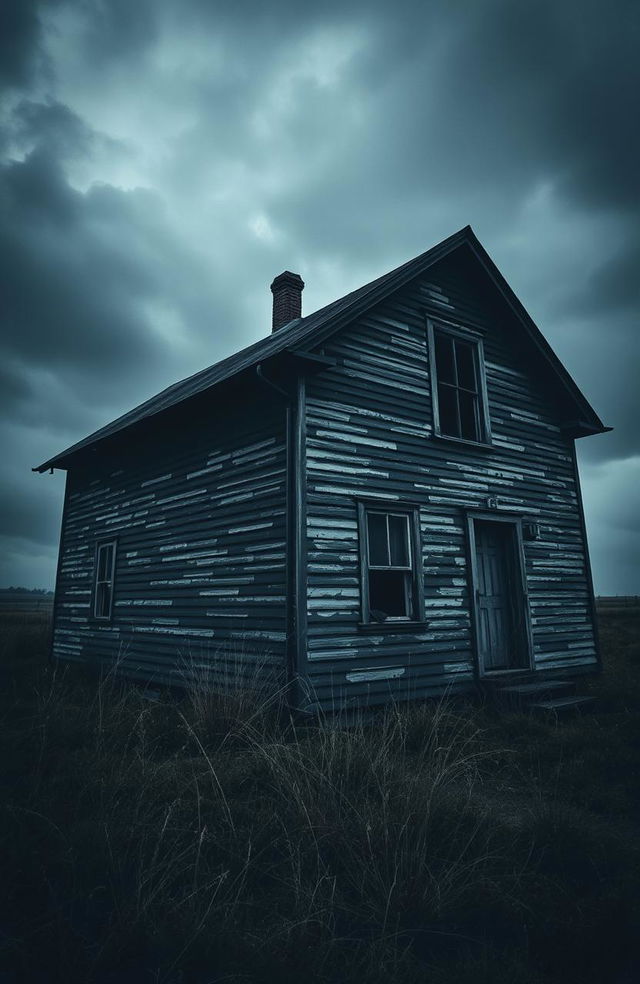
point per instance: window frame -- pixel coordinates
(474, 340)
(411, 513)
(100, 545)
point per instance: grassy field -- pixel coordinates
(210, 839)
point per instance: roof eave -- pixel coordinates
(581, 428)
(298, 361)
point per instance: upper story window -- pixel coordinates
(103, 587)
(389, 543)
(458, 386)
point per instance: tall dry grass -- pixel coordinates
(212, 837)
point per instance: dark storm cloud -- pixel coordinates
(611, 504)
(14, 387)
(557, 81)
(117, 28)
(52, 127)
(19, 37)
(22, 514)
(51, 237)
(615, 283)
(163, 161)
(505, 96)
(96, 258)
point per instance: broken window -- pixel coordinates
(103, 589)
(389, 589)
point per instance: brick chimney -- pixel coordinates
(287, 299)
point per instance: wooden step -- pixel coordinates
(539, 687)
(559, 704)
(518, 696)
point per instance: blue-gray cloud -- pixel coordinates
(160, 163)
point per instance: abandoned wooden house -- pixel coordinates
(379, 499)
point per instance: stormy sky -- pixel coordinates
(162, 161)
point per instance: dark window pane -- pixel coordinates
(398, 541)
(104, 580)
(103, 599)
(466, 365)
(388, 595)
(378, 548)
(448, 408)
(102, 565)
(468, 416)
(445, 368)
(105, 558)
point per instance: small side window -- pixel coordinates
(103, 587)
(389, 552)
(458, 386)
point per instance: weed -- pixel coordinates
(208, 836)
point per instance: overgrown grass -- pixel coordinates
(209, 839)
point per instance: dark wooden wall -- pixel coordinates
(197, 505)
(369, 433)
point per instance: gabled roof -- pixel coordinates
(301, 335)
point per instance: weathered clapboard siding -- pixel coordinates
(369, 433)
(198, 511)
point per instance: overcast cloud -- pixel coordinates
(161, 161)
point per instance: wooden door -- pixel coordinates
(496, 592)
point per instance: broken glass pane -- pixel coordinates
(378, 547)
(388, 594)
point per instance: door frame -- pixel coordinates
(515, 522)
